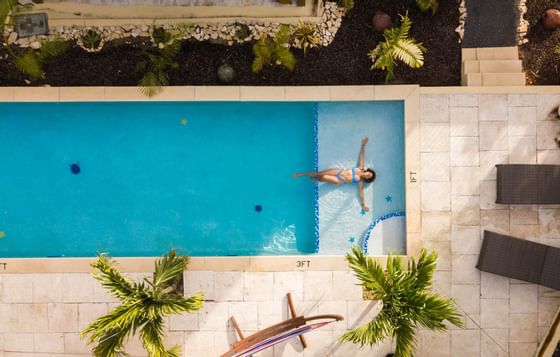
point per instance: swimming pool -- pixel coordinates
(210, 177)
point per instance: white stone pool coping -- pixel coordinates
(407, 93)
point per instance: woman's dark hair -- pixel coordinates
(372, 178)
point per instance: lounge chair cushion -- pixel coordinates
(528, 184)
(551, 269)
(512, 257)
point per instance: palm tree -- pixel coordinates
(407, 301)
(143, 307)
(397, 46)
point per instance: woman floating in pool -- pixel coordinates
(339, 176)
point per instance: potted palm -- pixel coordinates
(143, 307)
(407, 300)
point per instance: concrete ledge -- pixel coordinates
(146, 264)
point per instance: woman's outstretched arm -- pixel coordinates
(362, 156)
(361, 193)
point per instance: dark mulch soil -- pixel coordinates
(539, 60)
(345, 61)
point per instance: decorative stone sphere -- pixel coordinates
(226, 73)
(381, 21)
(551, 19)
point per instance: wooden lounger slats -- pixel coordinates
(528, 184)
(520, 259)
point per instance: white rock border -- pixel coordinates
(331, 21)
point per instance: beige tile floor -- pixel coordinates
(462, 138)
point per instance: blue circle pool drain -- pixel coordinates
(258, 208)
(75, 168)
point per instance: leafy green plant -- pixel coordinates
(346, 4)
(31, 62)
(274, 50)
(557, 49)
(91, 39)
(143, 307)
(306, 36)
(161, 37)
(426, 5)
(242, 31)
(155, 65)
(397, 46)
(408, 302)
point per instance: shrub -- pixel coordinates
(31, 62)
(242, 31)
(426, 5)
(91, 40)
(275, 50)
(155, 64)
(397, 46)
(306, 36)
(161, 37)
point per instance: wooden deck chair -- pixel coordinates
(270, 336)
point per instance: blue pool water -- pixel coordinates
(135, 179)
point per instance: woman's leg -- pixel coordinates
(328, 179)
(331, 172)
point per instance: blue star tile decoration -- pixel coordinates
(362, 212)
(351, 239)
(388, 198)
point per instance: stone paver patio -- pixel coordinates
(462, 137)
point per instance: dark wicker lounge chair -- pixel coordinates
(520, 259)
(528, 184)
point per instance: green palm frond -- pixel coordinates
(405, 340)
(410, 53)
(169, 269)
(557, 49)
(155, 66)
(144, 306)
(407, 301)
(397, 46)
(30, 65)
(111, 279)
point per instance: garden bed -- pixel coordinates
(343, 62)
(540, 62)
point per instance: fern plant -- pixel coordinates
(155, 65)
(306, 36)
(397, 46)
(31, 62)
(407, 300)
(274, 50)
(426, 5)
